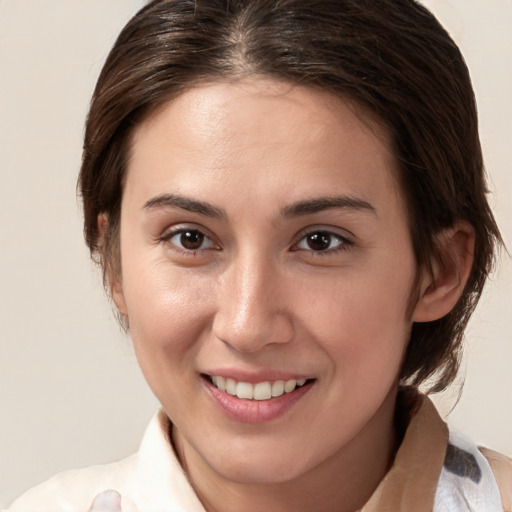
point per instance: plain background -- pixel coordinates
(71, 393)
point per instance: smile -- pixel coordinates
(258, 401)
(259, 391)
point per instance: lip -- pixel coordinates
(255, 411)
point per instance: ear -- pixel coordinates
(111, 276)
(440, 291)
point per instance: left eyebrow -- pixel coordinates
(319, 204)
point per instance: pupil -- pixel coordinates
(319, 241)
(192, 239)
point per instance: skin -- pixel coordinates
(256, 295)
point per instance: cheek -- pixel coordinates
(168, 317)
(168, 309)
(361, 321)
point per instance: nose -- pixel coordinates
(252, 310)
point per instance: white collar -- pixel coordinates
(158, 480)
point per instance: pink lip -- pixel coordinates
(255, 411)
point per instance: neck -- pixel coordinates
(342, 483)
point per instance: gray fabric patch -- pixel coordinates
(462, 463)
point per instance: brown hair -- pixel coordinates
(392, 56)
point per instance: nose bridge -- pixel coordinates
(251, 312)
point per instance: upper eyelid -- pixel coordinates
(185, 226)
(342, 233)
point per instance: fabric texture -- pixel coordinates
(502, 468)
(467, 481)
(433, 471)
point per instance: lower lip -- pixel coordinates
(255, 411)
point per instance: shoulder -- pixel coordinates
(75, 490)
(501, 466)
(152, 479)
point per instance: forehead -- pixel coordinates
(260, 131)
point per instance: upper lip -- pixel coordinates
(253, 377)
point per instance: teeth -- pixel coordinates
(289, 385)
(245, 390)
(260, 391)
(220, 382)
(230, 387)
(278, 388)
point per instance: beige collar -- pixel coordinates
(411, 482)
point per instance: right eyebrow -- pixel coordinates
(315, 205)
(184, 203)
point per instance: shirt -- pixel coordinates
(152, 480)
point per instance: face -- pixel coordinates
(266, 271)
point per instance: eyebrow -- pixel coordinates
(297, 209)
(319, 204)
(185, 203)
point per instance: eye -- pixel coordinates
(190, 240)
(322, 241)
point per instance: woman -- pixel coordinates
(288, 203)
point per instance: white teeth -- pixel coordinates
(260, 391)
(278, 388)
(230, 387)
(221, 383)
(245, 390)
(289, 385)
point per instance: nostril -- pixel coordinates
(249, 335)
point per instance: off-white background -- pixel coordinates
(71, 393)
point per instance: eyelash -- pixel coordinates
(344, 243)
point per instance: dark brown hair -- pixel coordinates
(392, 56)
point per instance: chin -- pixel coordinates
(261, 466)
(255, 474)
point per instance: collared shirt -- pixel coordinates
(152, 480)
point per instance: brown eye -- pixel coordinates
(191, 240)
(319, 241)
(322, 242)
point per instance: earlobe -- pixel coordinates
(111, 277)
(441, 290)
(116, 291)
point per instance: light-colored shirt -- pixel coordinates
(430, 468)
